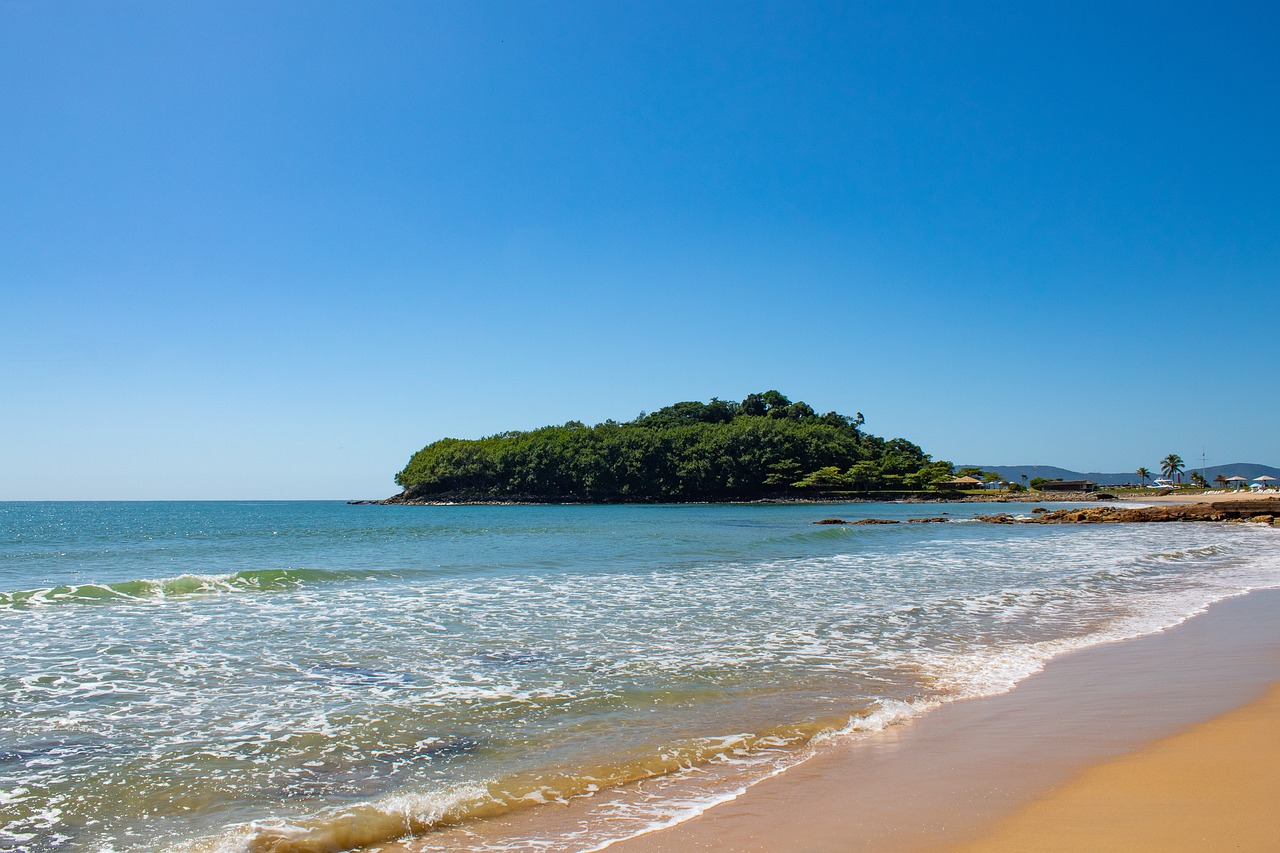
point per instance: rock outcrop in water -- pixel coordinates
(1261, 511)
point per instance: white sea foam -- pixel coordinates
(356, 686)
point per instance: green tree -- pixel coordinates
(1144, 475)
(865, 475)
(824, 478)
(1220, 481)
(1172, 466)
(928, 475)
(783, 473)
(776, 401)
(800, 411)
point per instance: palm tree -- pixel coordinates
(1172, 466)
(1221, 480)
(1144, 474)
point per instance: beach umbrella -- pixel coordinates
(1236, 480)
(1264, 479)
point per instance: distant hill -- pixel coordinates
(1014, 473)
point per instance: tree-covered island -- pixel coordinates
(764, 447)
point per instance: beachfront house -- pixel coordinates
(1069, 486)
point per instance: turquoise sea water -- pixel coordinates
(311, 675)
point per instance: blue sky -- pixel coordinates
(269, 250)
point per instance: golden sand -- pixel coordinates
(1213, 787)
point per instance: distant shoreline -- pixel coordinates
(889, 497)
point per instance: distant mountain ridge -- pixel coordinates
(1014, 473)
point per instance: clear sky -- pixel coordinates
(268, 250)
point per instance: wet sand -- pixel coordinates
(950, 778)
(1212, 787)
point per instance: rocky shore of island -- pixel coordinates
(1261, 511)
(474, 499)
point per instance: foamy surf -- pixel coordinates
(481, 662)
(416, 813)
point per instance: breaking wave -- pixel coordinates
(182, 586)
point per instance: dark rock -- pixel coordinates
(832, 521)
(932, 520)
(1220, 511)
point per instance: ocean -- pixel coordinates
(289, 676)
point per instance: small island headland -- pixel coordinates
(764, 448)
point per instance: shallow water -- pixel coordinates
(276, 675)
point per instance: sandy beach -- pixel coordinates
(1165, 742)
(1212, 787)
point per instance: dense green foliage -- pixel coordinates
(764, 446)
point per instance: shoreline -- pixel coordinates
(536, 631)
(1036, 497)
(942, 778)
(888, 497)
(950, 777)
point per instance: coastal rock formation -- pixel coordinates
(1262, 511)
